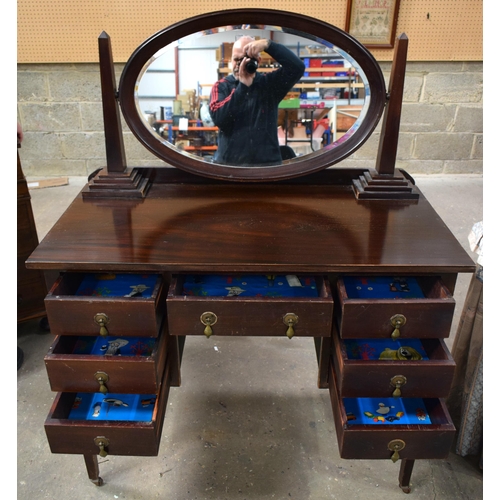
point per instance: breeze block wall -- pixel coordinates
(60, 111)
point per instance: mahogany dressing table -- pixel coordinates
(302, 220)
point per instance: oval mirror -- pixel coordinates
(165, 93)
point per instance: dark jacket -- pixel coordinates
(247, 117)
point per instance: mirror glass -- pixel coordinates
(330, 112)
(325, 107)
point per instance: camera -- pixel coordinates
(252, 65)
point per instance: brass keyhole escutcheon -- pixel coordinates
(102, 320)
(102, 443)
(290, 320)
(396, 445)
(208, 319)
(102, 378)
(398, 381)
(397, 321)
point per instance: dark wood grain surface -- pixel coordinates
(73, 436)
(31, 287)
(358, 378)
(69, 372)
(362, 441)
(245, 228)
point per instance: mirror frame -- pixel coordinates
(312, 162)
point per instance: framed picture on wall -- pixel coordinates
(373, 22)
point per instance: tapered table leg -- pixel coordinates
(323, 347)
(405, 474)
(93, 469)
(175, 349)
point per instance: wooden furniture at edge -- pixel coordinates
(329, 224)
(31, 287)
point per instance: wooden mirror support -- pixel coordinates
(388, 182)
(116, 181)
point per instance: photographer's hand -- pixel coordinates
(253, 49)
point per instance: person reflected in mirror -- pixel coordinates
(244, 105)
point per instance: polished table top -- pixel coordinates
(219, 227)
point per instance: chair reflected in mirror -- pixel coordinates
(287, 153)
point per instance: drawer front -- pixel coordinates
(382, 441)
(141, 438)
(71, 314)
(430, 378)
(138, 374)
(428, 317)
(252, 316)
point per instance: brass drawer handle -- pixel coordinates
(397, 321)
(396, 445)
(102, 378)
(397, 381)
(102, 320)
(102, 443)
(208, 319)
(290, 319)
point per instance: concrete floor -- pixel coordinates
(248, 421)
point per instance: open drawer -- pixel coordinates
(389, 435)
(106, 364)
(386, 368)
(393, 307)
(305, 309)
(106, 304)
(91, 424)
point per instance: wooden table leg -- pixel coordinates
(175, 350)
(93, 469)
(405, 474)
(323, 347)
